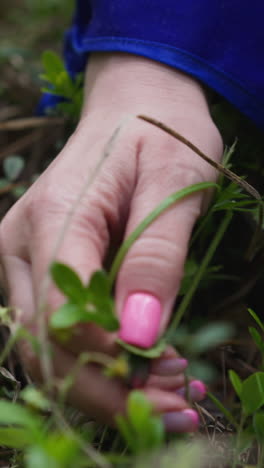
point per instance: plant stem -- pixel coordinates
(200, 227)
(164, 205)
(205, 262)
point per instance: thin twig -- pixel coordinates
(30, 122)
(223, 170)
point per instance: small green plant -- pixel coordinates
(61, 84)
(248, 418)
(141, 430)
(43, 444)
(86, 303)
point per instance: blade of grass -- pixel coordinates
(204, 264)
(223, 410)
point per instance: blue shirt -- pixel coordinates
(219, 42)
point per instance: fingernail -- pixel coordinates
(181, 421)
(197, 390)
(140, 320)
(169, 366)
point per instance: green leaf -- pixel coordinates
(99, 285)
(258, 424)
(257, 338)
(12, 166)
(36, 457)
(210, 336)
(15, 437)
(69, 315)
(67, 280)
(108, 320)
(150, 353)
(63, 448)
(148, 427)
(35, 398)
(92, 303)
(13, 413)
(57, 450)
(52, 64)
(235, 381)
(100, 304)
(53, 91)
(142, 430)
(139, 409)
(256, 318)
(252, 394)
(66, 316)
(64, 85)
(155, 428)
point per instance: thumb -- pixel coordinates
(150, 276)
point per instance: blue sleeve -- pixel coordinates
(219, 42)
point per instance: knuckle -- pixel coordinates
(156, 261)
(189, 174)
(158, 250)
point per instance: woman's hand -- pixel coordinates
(145, 166)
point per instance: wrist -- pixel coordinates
(130, 83)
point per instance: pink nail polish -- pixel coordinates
(199, 388)
(193, 415)
(172, 366)
(181, 421)
(140, 320)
